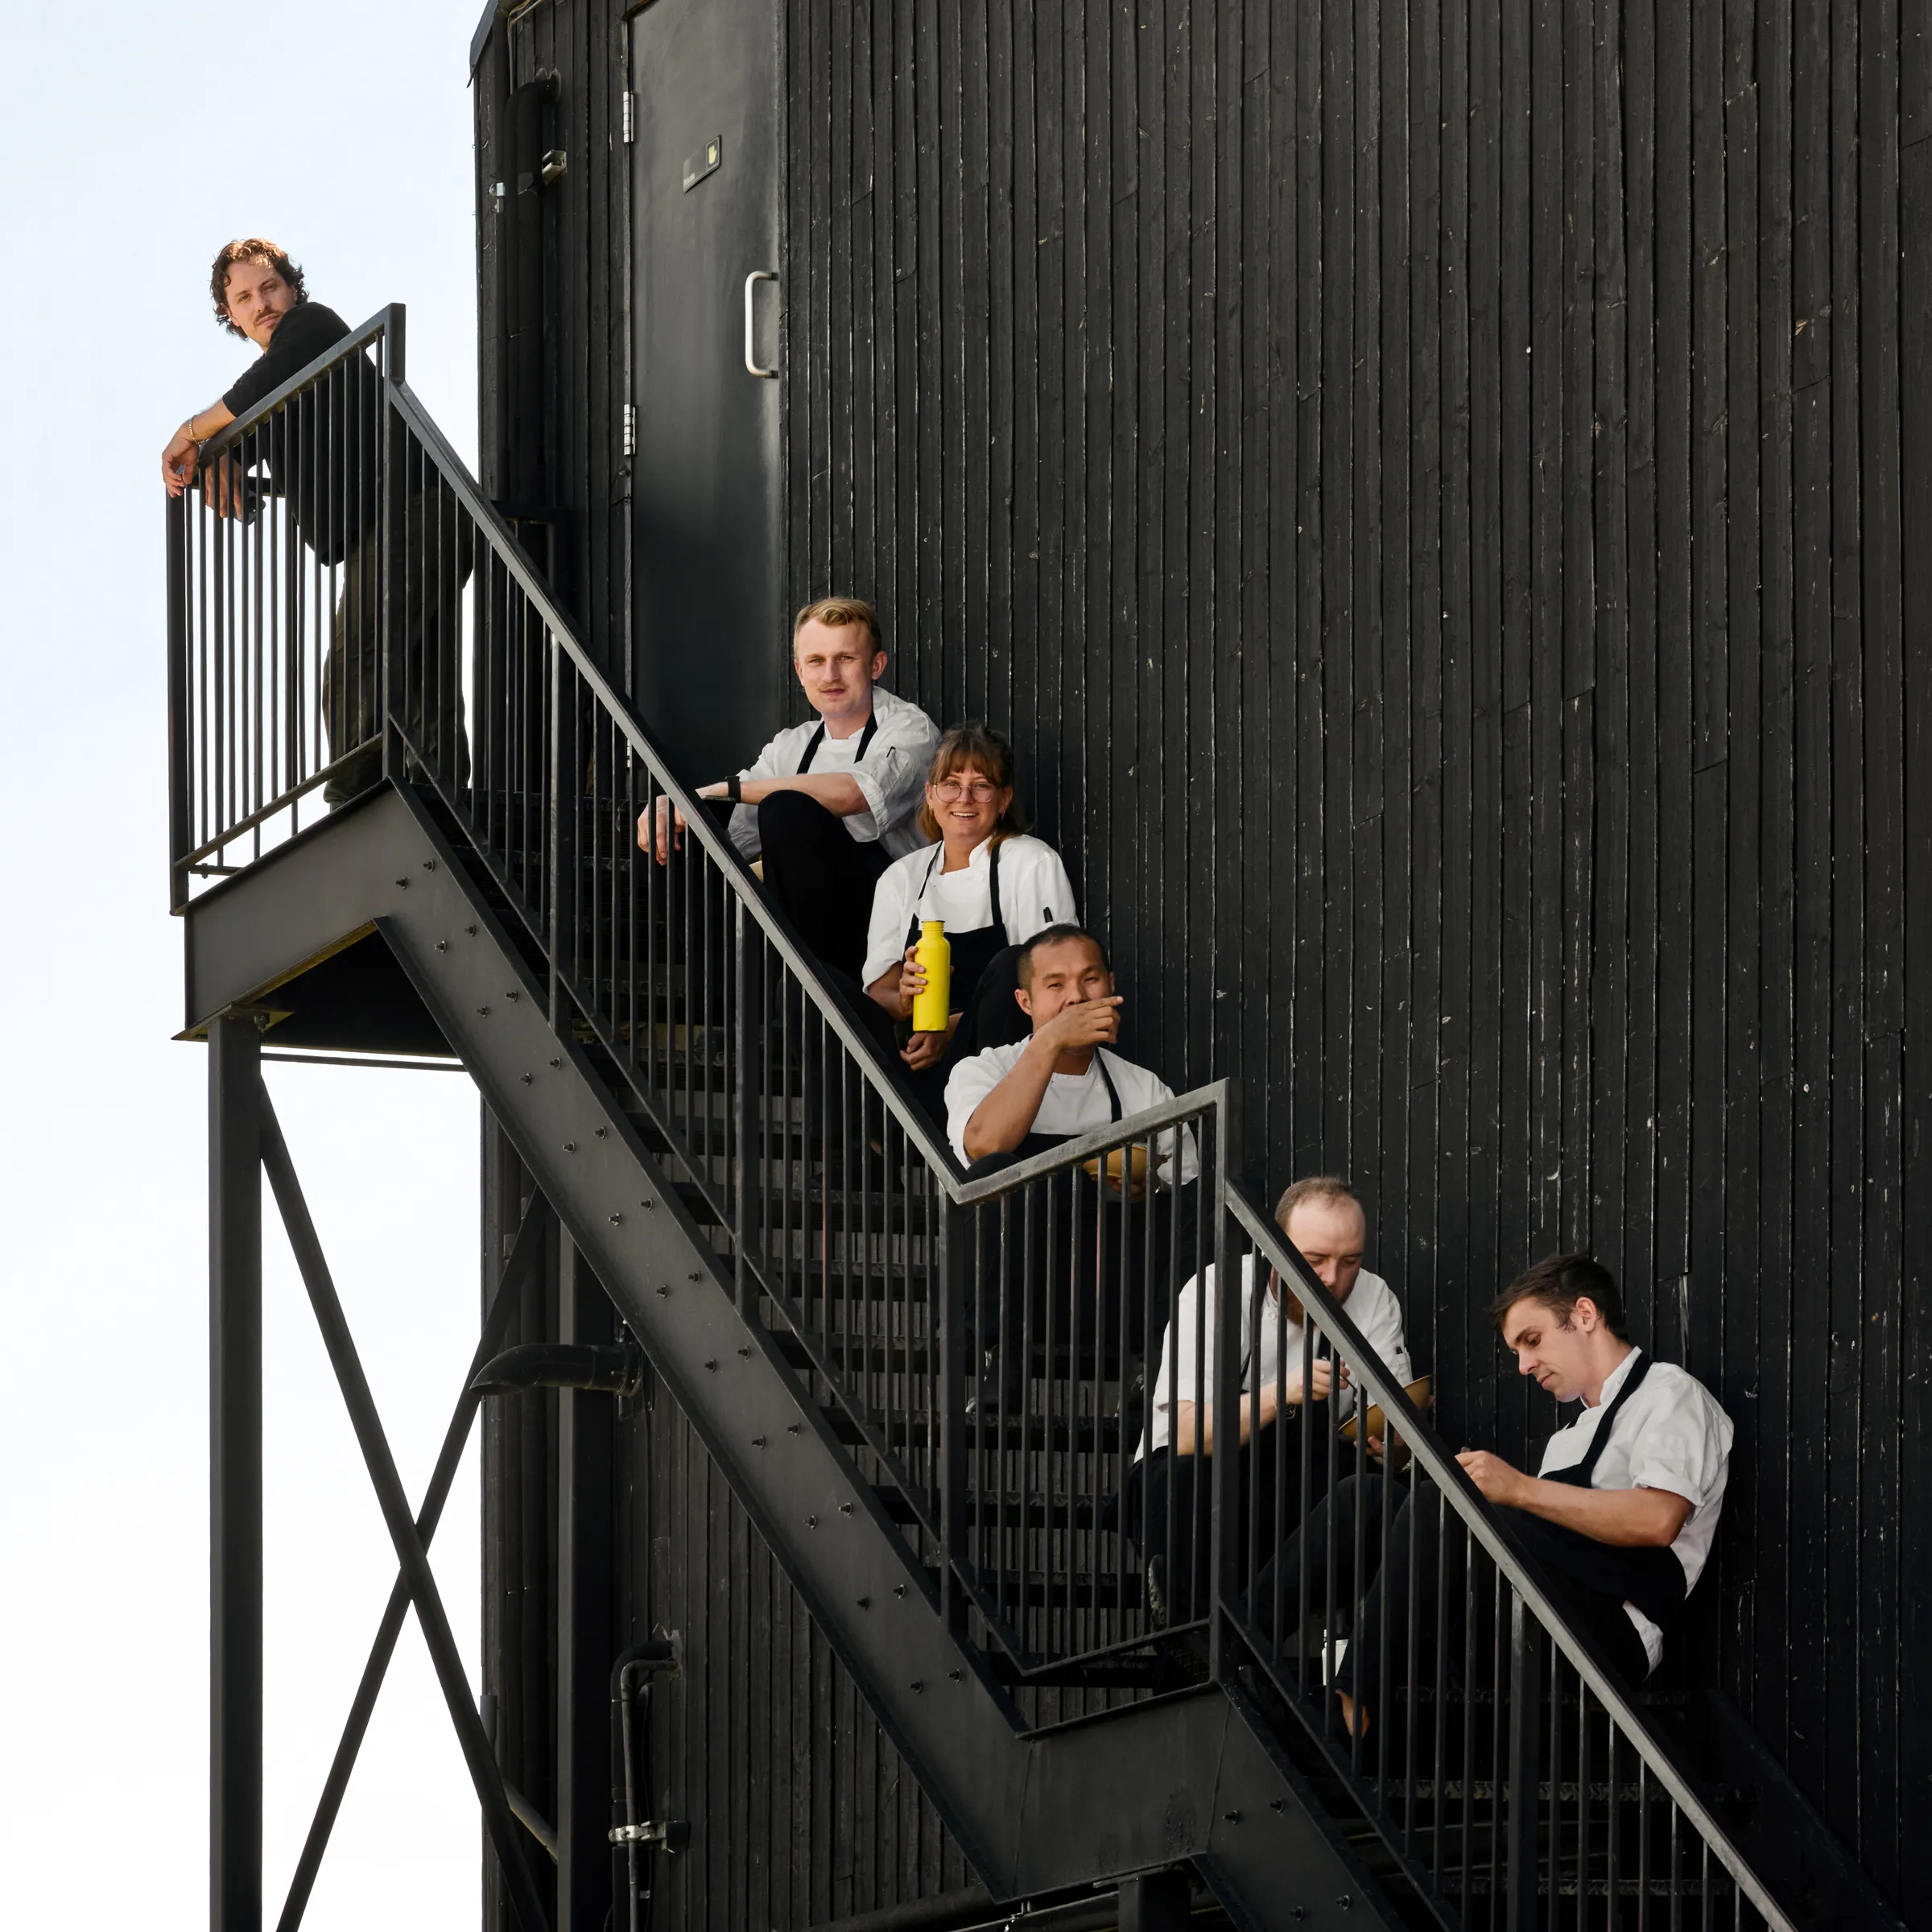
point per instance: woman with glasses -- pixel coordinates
(993, 884)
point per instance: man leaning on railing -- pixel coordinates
(322, 453)
(1621, 1517)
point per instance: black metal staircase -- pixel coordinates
(783, 1234)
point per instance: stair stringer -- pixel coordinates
(1182, 1778)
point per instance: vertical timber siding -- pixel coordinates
(1442, 496)
(802, 1812)
(807, 1813)
(1427, 488)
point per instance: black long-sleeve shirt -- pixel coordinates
(322, 451)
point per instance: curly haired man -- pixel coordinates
(320, 452)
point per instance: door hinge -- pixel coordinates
(628, 114)
(630, 430)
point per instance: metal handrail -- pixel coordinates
(697, 820)
(1517, 1569)
(387, 324)
(960, 1196)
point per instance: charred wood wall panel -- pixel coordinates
(552, 439)
(1424, 487)
(1427, 489)
(802, 1812)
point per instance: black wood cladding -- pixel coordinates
(1427, 488)
(802, 1811)
(1442, 497)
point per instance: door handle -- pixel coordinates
(751, 359)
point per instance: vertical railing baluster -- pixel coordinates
(1643, 1843)
(746, 1085)
(1613, 1816)
(952, 1261)
(560, 859)
(1583, 1802)
(259, 792)
(1675, 1886)
(1224, 1478)
(180, 722)
(199, 801)
(1526, 1740)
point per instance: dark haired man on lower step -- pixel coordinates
(1081, 1265)
(1619, 1518)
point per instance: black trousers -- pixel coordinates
(436, 567)
(1344, 1518)
(1170, 1497)
(819, 875)
(1426, 1564)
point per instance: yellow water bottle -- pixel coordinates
(932, 1008)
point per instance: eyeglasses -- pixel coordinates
(978, 789)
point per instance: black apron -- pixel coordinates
(1045, 1143)
(1651, 1579)
(973, 951)
(818, 738)
(1048, 1268)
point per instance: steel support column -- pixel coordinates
(585, 1644)
(234, 1446)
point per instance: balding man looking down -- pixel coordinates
(1174, 1465)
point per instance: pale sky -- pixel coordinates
(137, 139)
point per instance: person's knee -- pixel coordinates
(992, 1163)
(1419, 1521)
(789, 818)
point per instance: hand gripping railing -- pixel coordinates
(989, 1345)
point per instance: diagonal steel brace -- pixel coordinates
(525, 1257)
(505, 1835)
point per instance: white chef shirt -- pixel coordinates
(1034, 893)
(1671, 1435)
(1371, 1307)
(1074, 1102)
(892, 775)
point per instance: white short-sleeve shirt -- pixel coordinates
(1187, 1353)
(892, 775)
(1671, 1435)
(1034, 893)
(1074, 1102)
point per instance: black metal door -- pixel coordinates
(711, 599)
